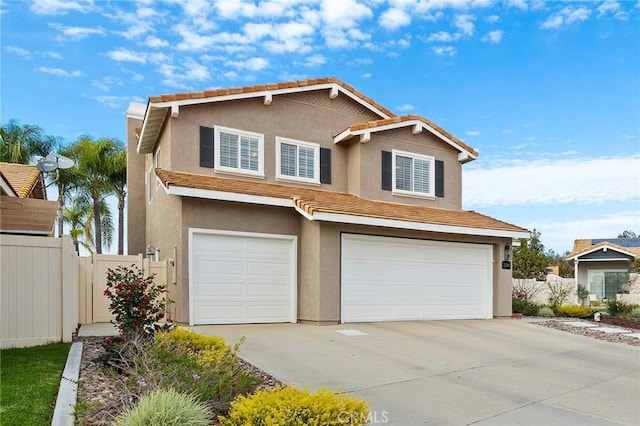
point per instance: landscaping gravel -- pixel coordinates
(100, 388)
(595, 332)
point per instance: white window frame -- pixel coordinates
(150, 184)
(316, 160)
(157, 167)
(432, 174)
(238, 170)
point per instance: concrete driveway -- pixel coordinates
(498, 372)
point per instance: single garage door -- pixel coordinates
(386, 279)
(241, 278)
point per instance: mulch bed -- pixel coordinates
(100, 388)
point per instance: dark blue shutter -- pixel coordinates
(325, 165)
(439, 178)
(387, 164)
(206, 147)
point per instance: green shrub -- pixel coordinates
(165, 363)
(614, 307)
(558, 292)
(290, 406)
(583, 293)
(166, 407)
(573, 311)
(524, 307)
(546, 311)
(635, 312)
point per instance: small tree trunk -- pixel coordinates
(97, 224)
(121, 223)
(60, 210)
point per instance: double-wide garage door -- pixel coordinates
(241, 278)
(386, 279)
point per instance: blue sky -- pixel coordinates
(547, 92)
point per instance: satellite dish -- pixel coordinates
(64, 162)
(53, 162)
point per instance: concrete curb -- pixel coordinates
(68, 392)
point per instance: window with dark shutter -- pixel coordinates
(325, 165)
(439, 178)
(387, 176)
(206, 147)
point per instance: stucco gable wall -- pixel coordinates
(311, 117)
(370, 169)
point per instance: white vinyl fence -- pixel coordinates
(47, 290)
(38, 290)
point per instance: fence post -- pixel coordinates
(69, 291)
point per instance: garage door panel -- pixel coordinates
(242, 278)
(414, 279)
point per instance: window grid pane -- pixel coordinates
(228, 150)
(249, 153)
(287, 159)
(421, 176)
(305, 162)
(403, 173)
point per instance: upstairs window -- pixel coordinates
(413, 174)
(297, 160)
(239, 151)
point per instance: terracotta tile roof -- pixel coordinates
(23, 178)
(413, 117)
(581, 247)
(263, 87)
(27, 216)
(313, 200)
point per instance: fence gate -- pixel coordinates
(94, 305)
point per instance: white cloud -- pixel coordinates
(126, 55)
(18, 51)
(493, 19)
(613, 7)
(444, 50)
(366, 75)
(60, 72)
(443, 37)
(54, 55)
(251, 64)
(557, 233)
(465, 23)
(153, 41)
(576, 180)
(344, 13)
(394, 18)
(115, 101)
(76, 33)
(314, 60)
(472, 133)
(493, 36)
(59, 7)
(566, 16)
(192, 41)
(405, 107)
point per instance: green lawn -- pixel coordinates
(29, 380)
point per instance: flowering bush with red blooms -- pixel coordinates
(137, 302)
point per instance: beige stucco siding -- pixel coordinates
(136, 204)
(310, 119)
(370, 167)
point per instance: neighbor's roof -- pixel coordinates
(582, 247)
(338, 207)
(158, 107)
(24, 180)
(27, 216)
(416, 121)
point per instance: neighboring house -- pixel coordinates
(602, 265)
(308, 201)
(24, 209)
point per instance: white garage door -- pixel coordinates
(241, 278)
(386, 279)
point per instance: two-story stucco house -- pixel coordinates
(308, 201)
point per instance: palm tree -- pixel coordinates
(118, 175)
(21, 143)
(77, 215)
(66, 181)
(94, 169)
